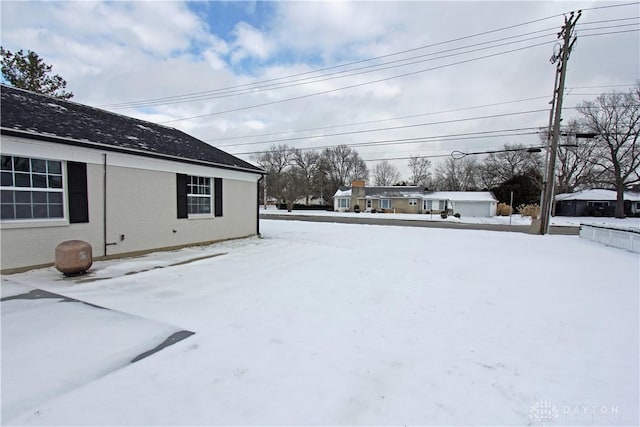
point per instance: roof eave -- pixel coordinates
(107, 147)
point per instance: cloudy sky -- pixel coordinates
(242, 76)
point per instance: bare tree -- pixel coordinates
(504, 165)
(576, 167)
(308, 163)
(419, 167)
(385, 174)
(342, 165)
(615, 118)
(275, 162)
(457, 174)
(293, 186)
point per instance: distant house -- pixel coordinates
(595, 202)
(126, 186)
(411, 199)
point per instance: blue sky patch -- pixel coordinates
(222, 16)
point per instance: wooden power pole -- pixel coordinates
(568, 41)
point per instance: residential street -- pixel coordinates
(366, 219)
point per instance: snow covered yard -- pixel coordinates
(516, 219)
(336, 324)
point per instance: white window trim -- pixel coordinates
(413, 202)
(203, 196)
(40, 222)
(388, 203)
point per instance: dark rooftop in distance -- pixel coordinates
(35, 116)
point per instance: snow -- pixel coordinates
(340, 324)
(625, 223)
(462, 196)
(57, 106)
(598, 194)
(397, 191)
(342, 193)
(53, 361)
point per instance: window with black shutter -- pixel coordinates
(181, 185)
(78, 199)
(217, 195)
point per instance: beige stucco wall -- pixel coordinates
(143, 209)
(141, 206)
(33, 242)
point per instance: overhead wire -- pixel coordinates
(419, 140)
(371, 121)
(184, 97)
(394, 127)
(350, 63)
(348, 73)
(375, 81)
(248, 107)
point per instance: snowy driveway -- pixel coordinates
(352, 324)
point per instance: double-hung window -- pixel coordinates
(343, 203)
(199, 195)
(385, 203)
(30, 188)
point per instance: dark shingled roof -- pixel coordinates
(35, 116)
(394, 191)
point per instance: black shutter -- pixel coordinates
(181, 184)
(217, 196)
(78, 200)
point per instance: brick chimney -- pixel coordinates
(358, 193)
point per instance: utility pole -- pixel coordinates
(569, 40)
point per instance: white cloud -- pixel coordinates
(125, 51)
(250, 43)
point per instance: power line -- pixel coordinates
(371, 121)
(600, 86)
(361, 131)
(393, 127)
(181, 98)
(606, 27)
(581, 24)
(609, 32)
(402, 117)
(355, 85)
(345, 73)
(349, 63)
(422, 139)
(375, 81)
(611, 6)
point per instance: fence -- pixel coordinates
(609, 236)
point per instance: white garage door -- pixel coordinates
(466, 209)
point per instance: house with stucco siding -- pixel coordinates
(125, 186)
